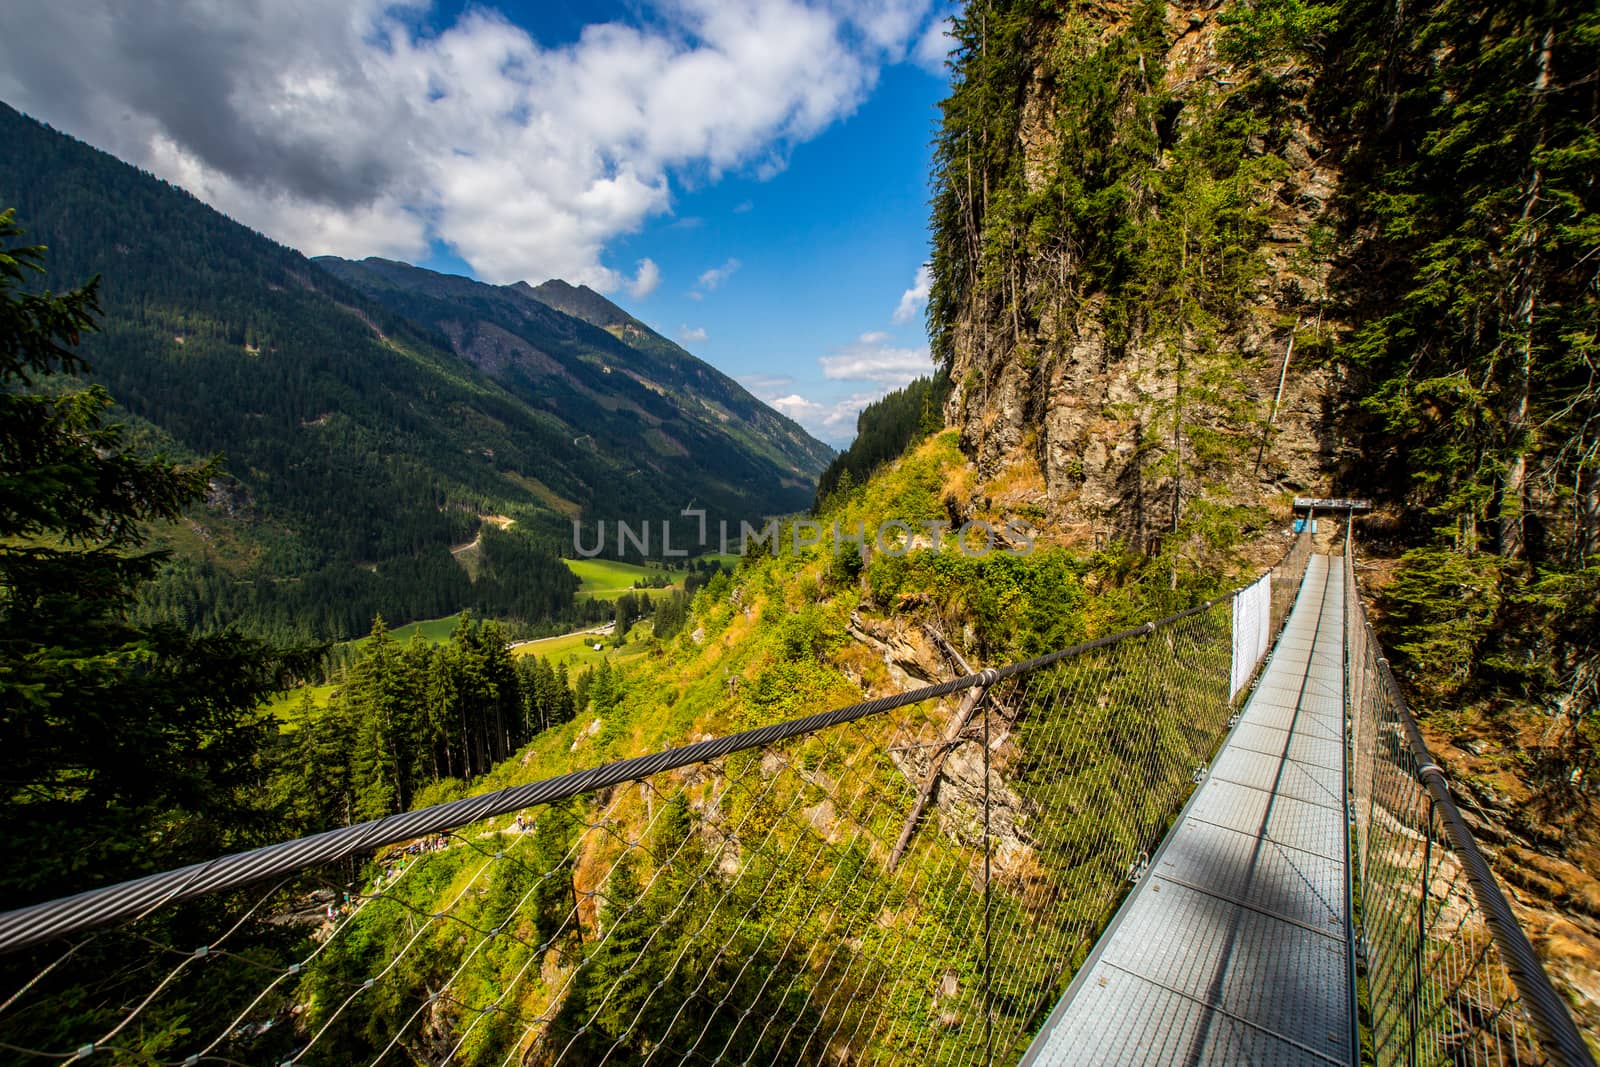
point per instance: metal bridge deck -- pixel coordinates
(1235, 946)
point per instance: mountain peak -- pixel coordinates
(561, 346)
(581, 302)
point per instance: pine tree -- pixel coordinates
(385, 700)
(318, 766)
(555, 899)
(128, 747)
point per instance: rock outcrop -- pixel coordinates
(1081, 374)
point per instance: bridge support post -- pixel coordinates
(1414, 1002)
(988, 1000)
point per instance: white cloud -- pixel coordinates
(871, 361)
(742, 207)
(795, 406)
(354, 127)
(833, 421)
(714, 277)
(687, 336)
(645, 279)
(914, 299)
(934, 47)
(877, 362)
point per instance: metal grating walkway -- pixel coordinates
(1235, 946)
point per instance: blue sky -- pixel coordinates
(825, 251)
(750, 179)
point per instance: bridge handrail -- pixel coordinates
(52, 919)
(1546, 1012)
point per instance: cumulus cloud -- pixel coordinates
(934, 46)
(795, 406)
(869, 367)
(645, 279)
(872, 359)
(833, 421)
(688, 336)
(357, 127)
(914, 299)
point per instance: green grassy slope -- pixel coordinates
(770, 643)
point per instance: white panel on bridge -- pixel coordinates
(1235, 946)
(1252, 621)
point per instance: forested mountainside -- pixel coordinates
(573, 353)
(358, 447)
(1189, 259)
(711, 388)
(1148, 216)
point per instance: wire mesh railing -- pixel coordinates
(910, 879)
(1449, 976)
(1287, 574)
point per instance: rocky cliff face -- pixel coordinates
(1137, 205)
(1123, 307)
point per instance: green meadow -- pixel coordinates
(573, 649)
(432, 630)
(607, 579)
(602, 579)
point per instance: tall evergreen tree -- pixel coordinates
(128, 747)
(385, 697)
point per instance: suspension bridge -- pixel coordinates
(1218, 837)
(1236, 945)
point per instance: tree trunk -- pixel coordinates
(1391, 71)
(1513, 489)
(1177, 396)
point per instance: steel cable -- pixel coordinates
(1450, 974)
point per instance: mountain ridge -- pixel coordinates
(476, 317)
(582, 302)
